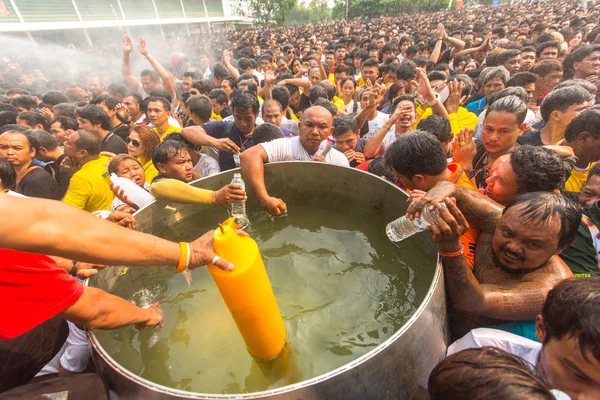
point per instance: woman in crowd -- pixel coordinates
(141, 143)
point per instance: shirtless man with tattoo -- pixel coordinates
(516, 260)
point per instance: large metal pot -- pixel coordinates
(396, 369)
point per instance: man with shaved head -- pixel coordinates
(316, 125)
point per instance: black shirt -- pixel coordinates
(60, 174)
(220, 130)
(532, 138)
(121, 130)
(39, 183)
(113, 144)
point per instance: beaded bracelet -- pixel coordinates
(454, 253)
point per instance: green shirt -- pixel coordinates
(582, 256)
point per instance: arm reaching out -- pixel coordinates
(160, 70)
(253, 170)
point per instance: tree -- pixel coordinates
(266, 12)
(373, 8)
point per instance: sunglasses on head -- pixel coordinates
(133, 142)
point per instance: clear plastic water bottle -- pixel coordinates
(324, 148)
(373, 131)
(238, 210)
(402, 228)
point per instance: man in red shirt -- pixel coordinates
(33, 290)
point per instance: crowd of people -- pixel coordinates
(487, 117)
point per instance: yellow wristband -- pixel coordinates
(184, 257)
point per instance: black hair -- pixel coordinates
(12, 127)
(582, 83)
(242, 100)
(537, 169)
(250, 84)
(220, 71)
(437, 76)
(571, 310)
(397, 100)
(89, 141)
(406, 71)
(505, 55)
(371, 62)
(416, 152)
(152, 74)
(19, 91)
(378, 167)
(27, 102)
(265, 133)
(8, 117)
(545, 67)
(517, 91)
(486, 373)
(65, 110)
(540, 48)
(562, 99)
(8, 107)
(438, 126)
(54, 97)
(109, 101)
(8, 176)
(521, 79)
(200, 106)
(166, 104)
(203, 86)
(158, 92)
(343, 124)
(512, 105)
(282, 95)
(587, 121)
(95, 115)
(326, 104)
(33, 118)
(117, 88)
(317, 92)
(40, 138)
(541, 207)
(577, 55)
(190, 74)
(594, 171)
(219, 95)
(168, 149)
(66, 123)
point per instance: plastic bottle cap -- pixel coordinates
(329, 138)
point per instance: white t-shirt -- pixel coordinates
(207, 166)
(292, 150)
(509, 342)
(389, 138)
(376, 123)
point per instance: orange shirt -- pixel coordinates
(469, 238)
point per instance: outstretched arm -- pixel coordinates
(97, 309)
(181, 192)
(160, 70)
(479, 210)
(51, 225)
(514, 300)
(253, 170)
(130, 79)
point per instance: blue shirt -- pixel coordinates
(477, 106)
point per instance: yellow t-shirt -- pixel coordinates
(216, 117)
(463, 118)
(577, 180)
(339, 103)
(89, 188)
(170, 129)
(150, 171)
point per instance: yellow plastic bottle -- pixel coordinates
(248, 294)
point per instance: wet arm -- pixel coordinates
(253, 170)
(130, 79)
(181, 192)
(97, 309)
(47, 227)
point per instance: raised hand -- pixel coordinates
(464, 148)
(143, 46)
(127, 44)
